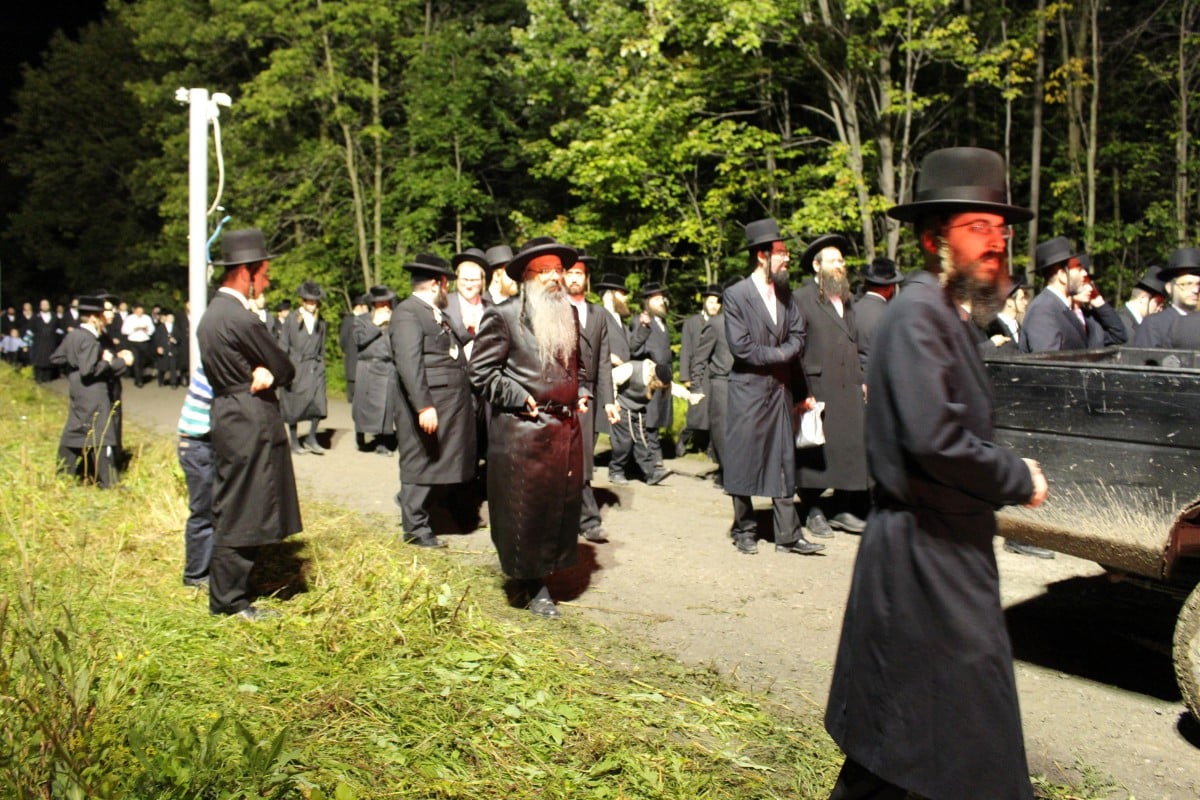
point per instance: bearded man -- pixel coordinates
(650, 338)
(923, 697)
(526, 365)
(1182, 279)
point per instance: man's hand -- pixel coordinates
(694, 398)
(1040, 488)
(531, 404)
(126, 356)
(582, 405)
(809, 404)
(427, 419)
(999, 340)
(261, 379)
(159, 350)
(613, 412)
(644, 319)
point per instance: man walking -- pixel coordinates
(302, 337)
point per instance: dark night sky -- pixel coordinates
(25, 30)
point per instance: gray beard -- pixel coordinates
(553, 321)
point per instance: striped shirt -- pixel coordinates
(194, 418)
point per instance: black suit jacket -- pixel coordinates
(595, 362)
(653, 341)
(1050, 325)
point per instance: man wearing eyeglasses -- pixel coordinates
(1070, 314)
(1182, 276)
(923, 697)
(435, 418)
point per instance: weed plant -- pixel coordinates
(391, 674)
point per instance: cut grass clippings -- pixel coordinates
(391, 673)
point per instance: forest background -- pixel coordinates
(363, 132)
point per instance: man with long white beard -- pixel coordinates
(923, 697)
(526, 364)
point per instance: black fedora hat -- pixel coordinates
(379, 294)
(471, 254)
(957, 179)
(652, 288)
(711, 290)
(1053, 253)
(819, 244)
(1185, 260)
(1151, 281)
(610, 282)
(363, 299)
(535, 247)
(882, 272)
(762, 231)
(498, 256)
(310, 291)
(1016, 282)
(583, 258)
(427, 265)
(246, 246)
(91, 304)
(283, 305)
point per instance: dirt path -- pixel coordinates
(1094, 664)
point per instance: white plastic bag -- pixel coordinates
(810, 429)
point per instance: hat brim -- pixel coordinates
(610, 287)
(879, 281)
(516, 267)
(1168, 275)
(821, 242)
(428, 271)
(911, 212)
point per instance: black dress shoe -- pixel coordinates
(616, 479)
(746, 544)
(801, 547)
(594, 535)
(817, 524)
(314, 447)
(847, 522)
(544, 607)
(297, 450)
(429, 541)
(382, 450)
(1023, 549)
(658, 477)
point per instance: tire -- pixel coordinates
(1186, 652)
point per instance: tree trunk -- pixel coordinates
(1035, 146)
(1093, 133)
(376, 134)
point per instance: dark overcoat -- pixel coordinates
(254, 491)
(1050, 325)
(595, 361)
(653, 341)
(713, 350)
(45, 339)
(453, 311)
(1130, 322)
(618, 345)
(832, 373)
(693, 370)
(304, 398)
(1155, 330)
(376, 389)
(91, 421)
(760, 456)
(349, 353)
(868, 311)
(923, 693)
(433, 373)
(535, 476)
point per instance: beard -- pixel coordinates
(965, 286)
(440, 298)
(833, 283)
(553, 322)
(781, 283)
(620, 305)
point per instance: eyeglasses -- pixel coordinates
(545, 270)
(980, 227)
(1187, 283)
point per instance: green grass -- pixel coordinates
(392, 674)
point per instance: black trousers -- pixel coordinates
(415, 500)
(229, 578)
(856, 782)
(787, 522)
(631, 444)
(89, 464)
(589, 514)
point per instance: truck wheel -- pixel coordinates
(1187, 652)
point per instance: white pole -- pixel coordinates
(197, 215)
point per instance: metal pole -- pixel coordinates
(197, 220)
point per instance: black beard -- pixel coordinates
(780, 280)
(986, 298)
(440, 298)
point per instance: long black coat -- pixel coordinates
(535, 476)
(376, 389)
(713, 351)
(1050, 325)
(832, 373)
(923, 692)
(692, 370)
(653, 341)
(595, 361)
(90, 418)
(304, 397)
(759, 459)
(868, 311)
(45, 339)
(349, 350)
(254, 492)
(618, 345)
(433, 373)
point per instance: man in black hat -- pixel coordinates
(650, 338)
(86, 447)
(692, 370)
(465, 305)
(435, 418)
(44, 327)
(254, 492)
(302, 337)
(881, 280)
(1147, 297)
(614, 298)
(1004, 331)
(501, 286)
(833, 375)
(595, 357)
(1069, 314)
(526, 364)
(376, 392)
(168, 348)
(766, 337)
(713, 353)
(349, 348)
(923, 697)
(1182, 279)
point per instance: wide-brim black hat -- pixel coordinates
(427, 265)
(283, 305)
(309, 290)
(957, 179)
(91, 305)
(610, 282)
(762, 231)
(471, 254)
(363, 299)
(1151, 281)
(652, 288)
(1015, 283)
(819, 244)
(1053, 253)
(583, 258)
(245, 246)
(536, 247)
(711, 290)
(379, 294)
(1185, 260)
(882, 272)
(498, 256)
